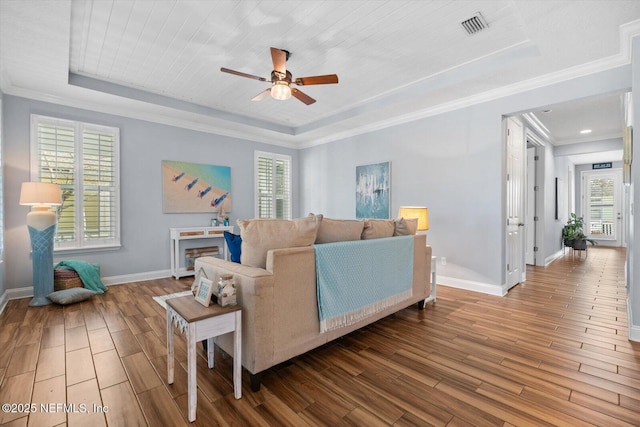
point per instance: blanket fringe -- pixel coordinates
(361, 314)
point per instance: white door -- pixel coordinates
(515, 202)
(530, 223)
(602, 206)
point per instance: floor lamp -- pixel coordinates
(41, 222)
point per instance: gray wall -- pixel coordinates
(2, 225)
(633, 254)
(451, 163)
(143, 145)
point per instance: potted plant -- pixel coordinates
(573, 233)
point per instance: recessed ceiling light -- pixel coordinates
(585, 131)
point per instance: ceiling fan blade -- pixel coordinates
(317, 80)
(241, 74)
(279, 58)
(302, 96)
(261, 95)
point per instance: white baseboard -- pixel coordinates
(634, 330)
(548, 260)
(470, 285)
(136, 277)
(27, 292)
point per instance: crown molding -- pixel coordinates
(153, 117)
(304, 139)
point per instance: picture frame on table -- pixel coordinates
(204, 291)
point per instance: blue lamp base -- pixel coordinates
(42, 253)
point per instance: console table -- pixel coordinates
(202, 323)
(190, 233)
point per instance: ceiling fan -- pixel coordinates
(282, 79)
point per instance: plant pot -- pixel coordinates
(568, 243)
(579, 245)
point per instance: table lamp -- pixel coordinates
(419, 212)
(41, 222)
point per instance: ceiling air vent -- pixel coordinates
(475, 24)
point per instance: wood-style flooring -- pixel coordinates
(554, 351)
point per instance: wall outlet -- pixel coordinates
(443, 260)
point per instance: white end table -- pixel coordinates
(434, 285)
(202, 323)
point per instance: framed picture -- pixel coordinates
(193, 188)
(205, 289)
(373, 191)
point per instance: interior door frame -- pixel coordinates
(514, 241)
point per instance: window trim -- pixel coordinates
(80, 244)
(273, 157)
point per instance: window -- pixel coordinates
(83, 159)
(273, 185)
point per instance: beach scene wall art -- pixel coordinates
(373, 190)
(195, 188)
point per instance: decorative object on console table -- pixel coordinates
(373, 191)
(41, 222)
(416, 212)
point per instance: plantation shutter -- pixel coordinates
(81, 158)
(273, 186)
(99, 186)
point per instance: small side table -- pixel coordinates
(434, 285)
(202, 323)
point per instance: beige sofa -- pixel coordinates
(279, 300)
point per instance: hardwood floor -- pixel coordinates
(552, 352)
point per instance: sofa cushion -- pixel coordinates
(339, 230)
(261, 235)
(378, 228)
(406, 227)
(234, 243)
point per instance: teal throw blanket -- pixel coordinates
(358, 278)
(89, 274)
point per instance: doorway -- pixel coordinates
(602, 206)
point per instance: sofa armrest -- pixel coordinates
(255, 295)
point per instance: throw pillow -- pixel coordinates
(234, 243)
(378, 228)
(261, 235)
(406, 227)
(339, 230)
(69, 296)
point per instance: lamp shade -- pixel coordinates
(40, 194)
(419, 212)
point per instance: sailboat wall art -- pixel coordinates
(195, 188)
(373, 190)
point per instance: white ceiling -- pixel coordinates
(396, 60)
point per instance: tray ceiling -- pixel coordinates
(161, 60)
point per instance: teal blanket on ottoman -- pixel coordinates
(89, 274)
(358, 278)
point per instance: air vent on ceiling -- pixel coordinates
(475, 24)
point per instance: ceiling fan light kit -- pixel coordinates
(281, 91)
(281, 80)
